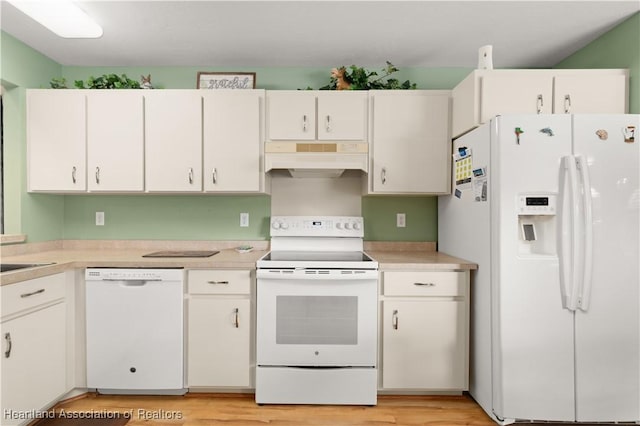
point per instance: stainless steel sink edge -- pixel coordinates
(9, 267)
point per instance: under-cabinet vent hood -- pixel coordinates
(316, 159)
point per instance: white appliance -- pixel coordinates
(135, 333)
(548, 207)
(317, 303)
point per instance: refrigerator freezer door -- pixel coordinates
(608, 332)
(463, 229)
(533, 356)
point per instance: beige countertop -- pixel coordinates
(78, 254)
(66, 259)
(418, 260)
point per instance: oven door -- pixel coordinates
(316, 318)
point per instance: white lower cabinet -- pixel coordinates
(425, 331)
(34, 347)
(220, 353)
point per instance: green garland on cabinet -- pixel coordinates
(106, 81)
(358, 78)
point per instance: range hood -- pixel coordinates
(316, 159)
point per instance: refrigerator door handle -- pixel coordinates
(587, 248)
(568, 237)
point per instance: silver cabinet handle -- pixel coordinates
(394, 319)
(98, 175)
(191, 175)
(328, 123)
(73, 174)
(304, 123)
(214, 175)
(425, 284)
(217, 282)
(539, 103)
(567, 104)
(33, 293)
(7, 337)
(236, 321)
(383, 175)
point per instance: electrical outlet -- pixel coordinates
(401, 220)
(244, 220)
(99, 218)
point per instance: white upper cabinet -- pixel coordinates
(579, 93)
(342, 116)
(291, 115)
(516, 93)
(233, 136)
(115, 140)
(487, 93)
(173, 145)
(56, 140)
(409, 143)
(317, 115)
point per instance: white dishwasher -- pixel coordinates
(135, 330)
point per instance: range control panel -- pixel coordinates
(317, 226)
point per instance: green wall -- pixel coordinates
(205, 217)
(127, 216)
(39, 216)
(48, 217)
(618, 48)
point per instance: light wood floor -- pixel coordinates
(241, 409)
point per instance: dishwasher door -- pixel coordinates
(135, 331)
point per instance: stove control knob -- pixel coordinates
(275, 225)
(347, 225)
(356, 226)
(339, 225)
(284, 225)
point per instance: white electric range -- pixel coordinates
(317, 295)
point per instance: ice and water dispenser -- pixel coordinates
(537, 224)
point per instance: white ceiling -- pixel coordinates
(326, 33)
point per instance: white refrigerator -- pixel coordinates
(548, 207)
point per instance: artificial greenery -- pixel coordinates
(362, 79)
(106, 81)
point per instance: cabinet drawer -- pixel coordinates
(31, 293)
(219, 282)
(424, 283)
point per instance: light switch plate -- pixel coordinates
(401, 220)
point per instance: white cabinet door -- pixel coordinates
(291, 115)
(515, 93)
(590, 94)
(342, 115)
(410, 142)
(484, 94)
(115, 137)
(424, 344)
(173, 145)
(56, 139)
(233, 140)
(33, 361)
(219, 342)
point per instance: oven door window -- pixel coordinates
(318, 320)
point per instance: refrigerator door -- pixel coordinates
(463, 230)
(608, 327)
(533, 351)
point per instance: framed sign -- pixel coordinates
(226, 80)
